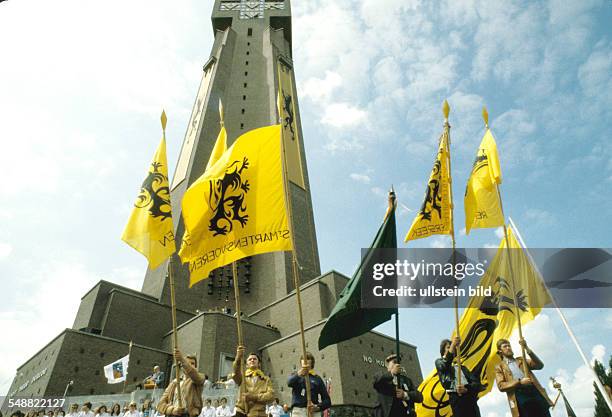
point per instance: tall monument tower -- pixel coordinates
(252, 48)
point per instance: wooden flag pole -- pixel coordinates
(174, 331)
(294, 263)
(125, 381)
(485, 116)
(237, 299)
(164, 119)
(446, 111)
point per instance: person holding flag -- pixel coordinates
(255, 387)
(396, 392)
(190, 384)
(526, 396)
(462, 396)
(320, 400)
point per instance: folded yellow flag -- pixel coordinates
(482, 205)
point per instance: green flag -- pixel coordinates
(348, 319)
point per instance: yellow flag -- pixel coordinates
(488, 319)
(434, 218)
(237, 208)
(291, 137)
(149, 229)
(482, 205)
(218, 150)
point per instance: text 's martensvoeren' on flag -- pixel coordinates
(237, 207)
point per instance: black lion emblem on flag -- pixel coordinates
(154, 195)
(288, 108)
(226, 199)
(433, 197)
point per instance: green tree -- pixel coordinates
(601, 408)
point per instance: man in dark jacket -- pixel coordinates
(319, 397)
(396, 392)
(462, 397)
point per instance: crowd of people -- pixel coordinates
(130, 409)
(396, 393)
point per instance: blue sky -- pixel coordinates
(82, 85)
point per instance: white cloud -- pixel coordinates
(540, 217)
(440, 242)
(360, 178)
(599, 352)
(578, 385)
(594, 74)
(343, 115)
(321, 89)
(5, 250)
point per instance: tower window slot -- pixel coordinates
(250, 32)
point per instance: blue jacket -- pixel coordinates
(318, 391)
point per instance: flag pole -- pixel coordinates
(485, 116)
(237, 299)
(294, 263)
(572, 336)
(164, 120)
(446, 112)
(392, 204)
(174, 330)
(126, 371)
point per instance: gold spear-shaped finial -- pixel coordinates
(164, 119)
(445, 109)
(485, 116)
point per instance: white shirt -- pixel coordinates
(175, 401)
(103, 415)
(224, 411)
(275, 410)
(208, 411)
(75, 414)
(517, 372)
(134, 413)
(86, 414)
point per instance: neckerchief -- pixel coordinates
(255, 372)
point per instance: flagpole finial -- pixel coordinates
(164, 119)
(445, 109)
(485, 116)
(221, 114)
(391, 198)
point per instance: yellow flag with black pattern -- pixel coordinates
(237, 207)
(290, 132)
(518, 289)
(434, 217)
(150, 229)
(482, 205)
